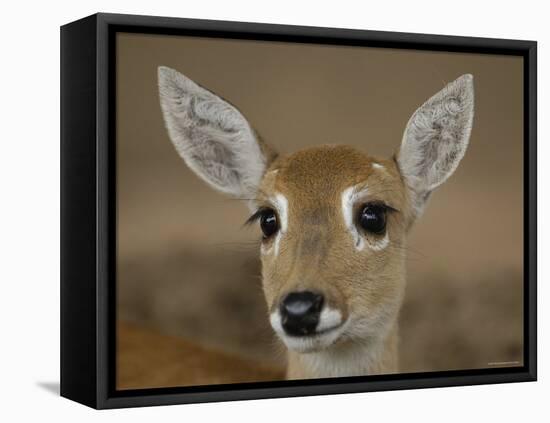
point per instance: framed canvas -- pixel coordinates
(388, 185)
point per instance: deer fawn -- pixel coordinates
(334, 220)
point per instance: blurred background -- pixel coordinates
(189, 302)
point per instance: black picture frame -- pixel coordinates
(88, 209)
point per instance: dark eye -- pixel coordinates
(268, 222)
(372, 218)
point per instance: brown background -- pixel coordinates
(187, 268)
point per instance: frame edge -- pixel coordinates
(78, 212)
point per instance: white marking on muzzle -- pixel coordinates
(328, 330)
(329, 319)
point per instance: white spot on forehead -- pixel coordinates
(280, 203)
(349, 197)
(377, 166)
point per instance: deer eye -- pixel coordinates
(372, 218)
(268, 222)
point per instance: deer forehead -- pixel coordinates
(315, 186)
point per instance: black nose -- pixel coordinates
(300, 312)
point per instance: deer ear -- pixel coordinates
(212, 136)
(436, 138)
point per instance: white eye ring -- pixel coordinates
(350, 197)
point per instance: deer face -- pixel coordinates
(333, 219)
(333, 222)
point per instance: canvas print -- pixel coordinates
(292, 211)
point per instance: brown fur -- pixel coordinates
(318, 253)
(147, 359)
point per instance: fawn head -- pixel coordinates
(333, 219)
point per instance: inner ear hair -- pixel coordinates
(212, 136)
(436, 138)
